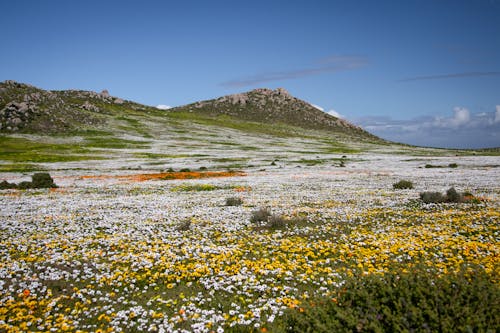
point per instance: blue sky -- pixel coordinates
(423, 72)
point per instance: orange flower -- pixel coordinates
(26, 292)
(263, 329)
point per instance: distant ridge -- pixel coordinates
(28, 109)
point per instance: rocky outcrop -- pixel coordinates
(24, 107)
(14, 115)
(89, 106)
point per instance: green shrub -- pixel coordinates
(185, 170)
(4, 185)
(432, 197)
(42, 180)
(451, 196)
(25, 185)
(453, 165)
(419, 300)
(260, 215)
(184, 225)
(194, 188)
(38, 180)
(276, 221)
(234, 201)
(403, 184)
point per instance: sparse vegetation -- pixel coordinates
(195, 187)
(403, 184)
(184, 225)
(260, 215)
(451, 165)
(234, 201)
(274, 221)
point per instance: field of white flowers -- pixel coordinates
(120, 253)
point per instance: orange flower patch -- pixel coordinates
(170, 175)
(243, 188)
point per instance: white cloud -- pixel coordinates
(331, 112)
(163, 107)
(463, 129)
(461, 116)
(497, 115)
(335, 113)
(318, 107)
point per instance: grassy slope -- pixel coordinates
(137, 131)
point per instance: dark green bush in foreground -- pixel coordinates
(416, 301)
(403, 184)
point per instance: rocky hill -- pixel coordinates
(27, 109)
(273, 106)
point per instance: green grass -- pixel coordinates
(26, 151)
(279, 130)
(115, 143)
(160, 156)
(20, 167)
(195, 188)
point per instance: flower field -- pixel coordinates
(98, 255)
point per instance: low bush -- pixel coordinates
(184, 225)
(5, 185)
(403, 184)
(432, 197)
(418, 300)
(185, 170)
(260, 215)
(38, 180)
(276, 221)
(42, 180)
(453, 165)
(451, 196)
(234, 201)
